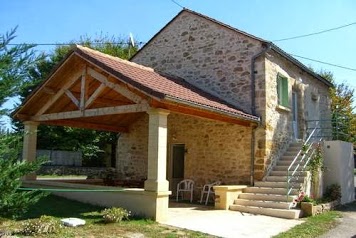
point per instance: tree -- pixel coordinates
(15, 62)
(90, 142)
(14, 202)
(343, 118)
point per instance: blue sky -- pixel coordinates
(58, 21)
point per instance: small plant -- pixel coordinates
(316, 162)
(333, 192)
(309, 199)
(115, 214)
(43, 225)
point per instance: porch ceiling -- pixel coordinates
(96, 91)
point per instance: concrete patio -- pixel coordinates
(224, 223)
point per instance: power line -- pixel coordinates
(142, 43)
(76, 43)
(177, 4)
(315, 33)
(322, 62)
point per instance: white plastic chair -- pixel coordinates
(186, 185)
(208, 189)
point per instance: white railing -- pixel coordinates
(301, 160)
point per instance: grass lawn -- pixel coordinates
(62, 208)
(317, 225)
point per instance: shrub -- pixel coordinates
(43, 225)
(115, 214)
(13, 202)
(333, 192)
(309, 199)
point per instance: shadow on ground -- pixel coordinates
(61, 207)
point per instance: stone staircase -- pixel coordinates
(269, 197)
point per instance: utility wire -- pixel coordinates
(142, 43)
(315, 33)
(177, 4)
(76, 43)
(322, 62)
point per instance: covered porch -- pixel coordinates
(92, 90)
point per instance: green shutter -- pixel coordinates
(282, 90)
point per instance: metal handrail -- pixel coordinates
(308, 153)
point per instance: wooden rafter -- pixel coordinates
(83, 90)
(93, 112)
(72, 97)
(121, 90)
(56, 96)
(94, 95)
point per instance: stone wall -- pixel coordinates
(91, 172)
(206, 54)
(276, 131)
(131, 159)
(215, 150)
(218, 60)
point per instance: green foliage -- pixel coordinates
(15, 62)
(43, 225)
(344, 120)
(309, 199)
(333, 192)
(316, 162)
(13, 202)
(115, 214)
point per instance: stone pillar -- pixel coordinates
(156, 185)
(29, 145)
(157, 151)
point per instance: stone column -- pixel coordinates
(157, 151)
(156, 185)
(29, 145)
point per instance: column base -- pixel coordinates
(156, 186)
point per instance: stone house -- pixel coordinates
(254, 76)
(201, 100)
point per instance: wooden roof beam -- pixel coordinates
(55, 97)
(121, 90)
(92, 112)
(87, 125)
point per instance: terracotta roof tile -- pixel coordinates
(159, 85)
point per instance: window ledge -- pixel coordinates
(283, 108)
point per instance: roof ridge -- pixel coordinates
(83, 48)
(224, 25)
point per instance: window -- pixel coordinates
(282, 90)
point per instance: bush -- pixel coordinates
(333, 192)
(115, 214)
(13, 202)
(309, 199)
(43, 225)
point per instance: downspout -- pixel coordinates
(253, 110)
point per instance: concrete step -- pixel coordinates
(282, 213)
(284, 173)
(276, 184)
(287, 162)
(262, 203)
(284, 179)
(291, 152)
(285, 167)
(267, 197)
(287, 157)
(269, 190)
